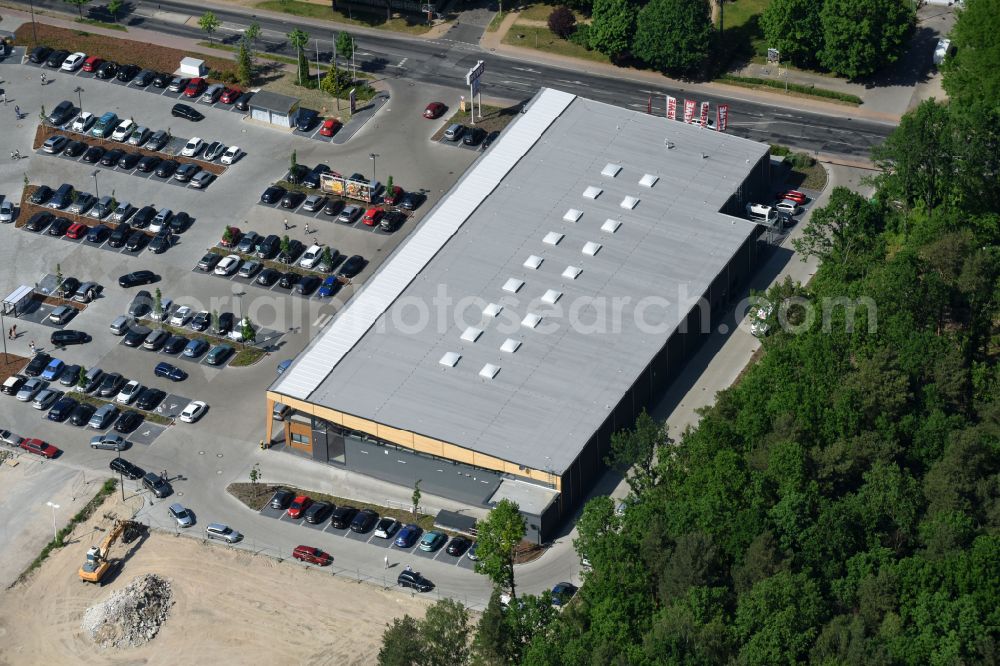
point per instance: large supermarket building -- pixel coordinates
(538, 308)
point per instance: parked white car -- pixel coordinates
(83, 122)
(181, 316)
(194, 411)
(228, 265)
(123, 131)
(193, 147)
(231, 154)
(129, 393)
(73, 62)
(310, 256)
(788, 206)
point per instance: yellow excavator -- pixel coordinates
(97, 564)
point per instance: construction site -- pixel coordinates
(117, 590)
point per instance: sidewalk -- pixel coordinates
(492, 41)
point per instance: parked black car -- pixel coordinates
(364, 521)
(62, 113)
(81, 415)
(175, 344)
(15, 386)
(161, 241)
(180, 222)
(414, 580)
(74, 148)
(59, 227)
(289, 280)
(297, 173)
(354, 265)
(135, 278)
(128, 422)
(333, 207)
(162, 80)
(136, 336)
(124, 467)
(39, 221)
(127, 72)
(311, 179)
(93, 155)
(281, 499)
(68, 337)
(292, 200)
(120, 235)
(269, 247)
(186, 112)
(305, 120)
(167, 168)
(272, 194)
(63, 408)
(143, 216)
(42, 194)
(243, 102)
(473, 136)
(40, 54)
(111, 157)
(129, 160)
(136, 241)
(56, 58)
(144, 78)
(268, 277)
(107, 70)
(318, 512)
(342, 516)
(150, 398)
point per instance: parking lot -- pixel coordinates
(204, 457)
(369, 537)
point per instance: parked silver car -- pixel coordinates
(109, 442)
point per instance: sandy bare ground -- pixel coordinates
(230, 607)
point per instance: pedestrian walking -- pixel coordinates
(386, 561)
(10, 333)
(43, 78)
(17, 111)
(13, 332)
(31, 346)
(286, 224)
(3, 93)
(307, 228)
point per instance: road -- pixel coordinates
(444, 62)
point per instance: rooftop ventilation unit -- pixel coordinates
(531, 320)
(552, 238)
(489, 371)
(611, 169)
(513, 285)
(551, 296)
(472, 334)
(592, 192)
(610, 226)
(533, 262)
(648, 180)
(629, 202)
(510, 345)
(572, 272)
(492, 310)
(450, 359)
(572, 215)
(591, 248)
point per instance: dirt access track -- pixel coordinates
(229, 607)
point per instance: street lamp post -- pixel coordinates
(97, 192)
(54, 507)
(373, 156)
(79, 96)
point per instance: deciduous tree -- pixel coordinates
(78, 4)
(634, 452)
(674, 35)
(498, 537)
(562, 21)
(971, 75)
(612, 26)
(209, 22)
(862, 36)
(793, 27)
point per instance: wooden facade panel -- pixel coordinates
(395, 435)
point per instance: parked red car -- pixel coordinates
(234, 237)
(77, 230)
(230, 95)
(329, 127)
(195, 87)
(40, 448)
(372, 216)
(393, 195)
(794, 195)
(92, 63)
(312, 555)
(298, 507)
(434, 110)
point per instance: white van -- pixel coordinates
(762, 214)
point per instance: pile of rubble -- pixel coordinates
(130, 616)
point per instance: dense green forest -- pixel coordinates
(841, 503)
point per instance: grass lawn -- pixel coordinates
(742, 37)
(102, 24)
(810, 177)
(411, 25)
(541, 11)
(313, 98)
(11, 364)
(496, 21)
(247, 357)
(542, 39)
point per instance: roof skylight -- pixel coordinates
(591, 248)
(450, 359)
(512, 285)
(610, 226)
(552, 238)
(492, 310)
(592, 192)
(489, 371)
(531, 320)
(533, 262)
(571, 272)
(472, 334)
(510, 345)
(648, 180)
(572, 215)
(551, 296)
(611, 169)
(629, 202)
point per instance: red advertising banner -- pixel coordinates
(704, 114)
(671, 108)
(689, 105)
(722, 117)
